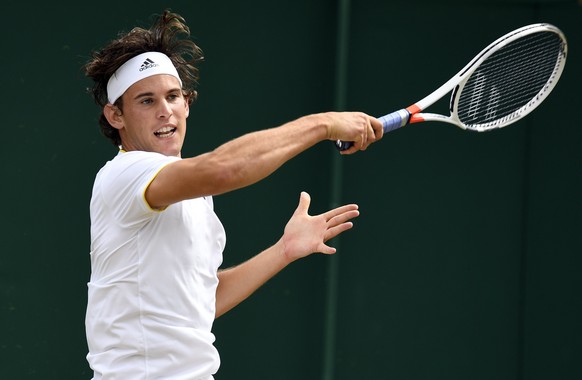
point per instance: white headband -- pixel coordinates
(139, 67)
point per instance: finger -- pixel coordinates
(339, 210)
(356, 146)
(304, 202)
(326, 249)
(353, 149)
(371, 134)
(342, 218)
(335, 231)
(364, 138)
(378, 128)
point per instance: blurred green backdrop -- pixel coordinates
(465, 262)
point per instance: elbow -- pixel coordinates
(228, 174)
(226, 178)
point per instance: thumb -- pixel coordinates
(326, 249)
(304, 202)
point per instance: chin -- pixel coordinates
(169, 149)
(172, 152)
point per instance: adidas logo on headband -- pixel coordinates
(148, 63)
(138, 68)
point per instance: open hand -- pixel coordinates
(305, 234)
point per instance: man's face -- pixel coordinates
(154, 116)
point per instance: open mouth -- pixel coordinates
(165, 132)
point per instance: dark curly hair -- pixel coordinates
(168, 35)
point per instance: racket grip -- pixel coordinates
(394, 120)
(390, 122)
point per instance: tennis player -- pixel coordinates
(156, 243)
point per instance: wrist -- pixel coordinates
(320, 123)
(284, 251)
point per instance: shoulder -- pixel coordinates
(141, 157)
(139, 161)
(131, 166)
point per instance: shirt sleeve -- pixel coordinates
(125, 185)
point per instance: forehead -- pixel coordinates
(160, 83)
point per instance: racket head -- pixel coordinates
(509, 78)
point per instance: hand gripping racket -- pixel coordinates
(502, 84)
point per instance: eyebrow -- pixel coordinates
(143, 94)
(149, 93)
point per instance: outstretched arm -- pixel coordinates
(254, 156)
(304, 234)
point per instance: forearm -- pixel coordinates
(256, 155)
(237, 163)
(303, 235)
(239, 282)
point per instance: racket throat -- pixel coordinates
(413, 116)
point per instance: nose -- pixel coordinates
(164, 110)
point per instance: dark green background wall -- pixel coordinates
(465, 262)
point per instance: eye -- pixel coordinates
(147, 101)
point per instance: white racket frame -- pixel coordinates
(458, 82)
(413, 114)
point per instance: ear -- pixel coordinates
(187, 104)
(113, 116)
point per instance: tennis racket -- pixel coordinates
(502, 84)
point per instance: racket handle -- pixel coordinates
(395, 120)
(390, 122)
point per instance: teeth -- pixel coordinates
(164, 131)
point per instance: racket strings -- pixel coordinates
(518, 81)
(510, 78)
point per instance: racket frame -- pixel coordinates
(413, 113)
(458, 81)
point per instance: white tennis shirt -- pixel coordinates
(152, 292)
